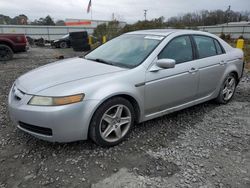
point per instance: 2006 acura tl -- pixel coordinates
(133, 78)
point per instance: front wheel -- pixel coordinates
(63, 45)
(227, 89)
(112, 122)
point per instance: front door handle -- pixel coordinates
(223, 62)
(193, 70)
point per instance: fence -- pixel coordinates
(235, 31)
(46, 32)
(55, 32)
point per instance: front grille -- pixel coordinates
(36, 129)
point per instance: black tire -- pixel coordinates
(63, 45)
(6, 53)
(221, 98)
(95, 130)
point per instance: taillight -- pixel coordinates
(26, 40)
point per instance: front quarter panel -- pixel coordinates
(101, 88)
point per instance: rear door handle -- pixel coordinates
(193, 70)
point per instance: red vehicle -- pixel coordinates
(10, 44)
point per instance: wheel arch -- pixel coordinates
(230, 69)
(7, 43)
(128, 97)
(236, 76)
(134, 103)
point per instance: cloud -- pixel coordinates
(128, 10)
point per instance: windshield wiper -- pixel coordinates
(101, 61)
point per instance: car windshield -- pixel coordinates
(65, 36)
(125, 51)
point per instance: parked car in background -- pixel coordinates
(10, 44)
(133, 78)
(63, 42)
(79, 41)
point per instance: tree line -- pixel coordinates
(206, 18)
(24, 20)
(188, 20)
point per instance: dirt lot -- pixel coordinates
(204, 146)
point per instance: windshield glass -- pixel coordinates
(65, 36)
(126, 50)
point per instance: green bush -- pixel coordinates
(228, 37)
(113, 29)
(223, 36)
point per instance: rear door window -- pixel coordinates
(205, 46)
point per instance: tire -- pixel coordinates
(6, 53)
(63, 45)
(227, 89)
(112, 122)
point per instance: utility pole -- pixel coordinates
(228, 13)
(145, 14)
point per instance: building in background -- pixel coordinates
(88, 23)
(242, 23)
(55, 32)
(233, 29)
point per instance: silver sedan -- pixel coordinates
(133, 78)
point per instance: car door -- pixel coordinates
(167, 88)
(211, 63)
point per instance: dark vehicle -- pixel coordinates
(79, 41)
(10, 44)
(63, 42)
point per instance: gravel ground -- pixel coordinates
(207, 145)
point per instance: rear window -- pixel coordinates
(218, 47)
(205, 46)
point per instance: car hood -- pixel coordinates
(62, 72)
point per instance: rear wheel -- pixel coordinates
(6, 53)
(112, 122)
(227, 89)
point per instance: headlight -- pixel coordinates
(55, 101)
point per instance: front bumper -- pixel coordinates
(67, 123)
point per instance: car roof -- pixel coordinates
(166, 32)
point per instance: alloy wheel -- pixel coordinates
(115, 123)
(229, 88)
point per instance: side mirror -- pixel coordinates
(165, 63)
